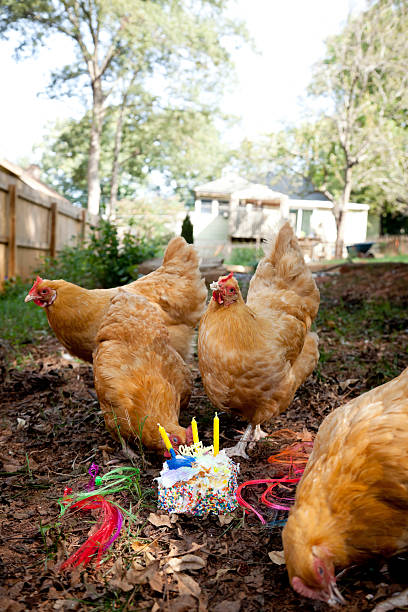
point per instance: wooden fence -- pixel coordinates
(34, 224)
(393, 245)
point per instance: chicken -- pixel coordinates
(75, 314)
(352, 501)
(140, 379)
(253, 356)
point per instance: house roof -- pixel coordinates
(233, 184)
(28, 178)
(257, 191)
(225, 185)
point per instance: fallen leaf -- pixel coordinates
(187, 585)
(159, 520)
(187, 562)
(184, 603)
(228, 606)
(277, 556)
(220, 573)
(176, 552)
(137, 566)
(156, 582)
(225, 519)
(10, 605)
(306, 436)
(142, 576)
(346, 383)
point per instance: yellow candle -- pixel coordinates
(216, 434)
(195, 431)
(165, 437)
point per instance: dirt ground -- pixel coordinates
(52, 429)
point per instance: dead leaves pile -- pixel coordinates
(163, 563)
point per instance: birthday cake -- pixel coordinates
(205, 484)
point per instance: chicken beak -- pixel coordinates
(215, 286)
(29, 298)
(335, 596)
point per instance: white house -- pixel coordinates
(232, 211)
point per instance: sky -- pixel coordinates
(289, 35)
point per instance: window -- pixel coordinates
(306, 218)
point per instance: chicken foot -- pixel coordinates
(251, 434)
(399, 600)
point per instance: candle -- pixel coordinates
(165, 437)
(216, 434)
(195, 431)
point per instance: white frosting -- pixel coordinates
(212, 471)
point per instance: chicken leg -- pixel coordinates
(251, 434)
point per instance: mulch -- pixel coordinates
(52, 429)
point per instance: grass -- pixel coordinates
(377, 259)
(20, 323)
(350, 319)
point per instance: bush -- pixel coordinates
(245, 256)
(187, 230)
(105, 261)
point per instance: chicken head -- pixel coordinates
(312, 575)
(41, 294)
(225, 290)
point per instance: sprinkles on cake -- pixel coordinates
(200, 480)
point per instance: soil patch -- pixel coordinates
(52, 429)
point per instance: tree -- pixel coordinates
(352, 141)
(187, 231)
(126, 42)
(183, 146)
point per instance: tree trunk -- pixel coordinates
(111, 208)
(340, 226)
(94, 187)
(340, 211)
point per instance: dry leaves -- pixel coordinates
(187, 585)
(277, 557)
(225, 519)
(162, 520)
(187, 562)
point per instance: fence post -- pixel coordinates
(83, 225)
(12, 242)
(53, 236)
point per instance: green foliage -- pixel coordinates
(19, 324)
(104, 261)
(187, 230)
(165, 64)
(183, 145)
(245, 256)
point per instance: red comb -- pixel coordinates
(224, 280)
(37, 281)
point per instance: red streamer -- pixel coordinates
(106, 530)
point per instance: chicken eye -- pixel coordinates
(43, 291)
(231, 290)
(320, 570)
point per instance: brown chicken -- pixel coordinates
(140, 379)
(75, 314)
(352, 501)
(254, 356)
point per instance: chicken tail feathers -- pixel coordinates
(177, 286)
(283, 269)
(178, 253)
